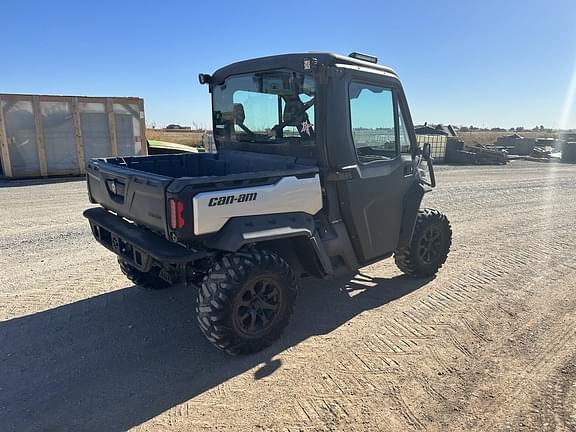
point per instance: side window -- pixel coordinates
(372, 122)
(405, 146)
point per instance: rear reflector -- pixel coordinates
(173, 222)
(177, 214)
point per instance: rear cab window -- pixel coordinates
(266, 112)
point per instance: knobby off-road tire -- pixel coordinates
(149, 280)
(246, 300)
(429, 246)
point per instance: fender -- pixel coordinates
(242, 231)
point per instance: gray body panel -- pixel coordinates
(212, 210)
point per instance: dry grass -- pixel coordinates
(187, 138)
(490, 137)
(195, 138)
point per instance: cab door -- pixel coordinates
(371, 199)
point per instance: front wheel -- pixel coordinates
(246, 300)
(429, 247)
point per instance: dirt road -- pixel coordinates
(490, 344)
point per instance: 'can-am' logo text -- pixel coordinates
(231, 199)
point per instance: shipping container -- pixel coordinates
(56, 135)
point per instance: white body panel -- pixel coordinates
(290, 194)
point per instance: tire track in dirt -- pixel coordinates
(532, 362)
(404, 408)
(391, 346)
(482, 281)
(550, 357)
(564, 400)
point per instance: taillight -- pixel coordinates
(177, 214)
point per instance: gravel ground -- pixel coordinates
(490, 344)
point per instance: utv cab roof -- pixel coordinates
(296, 62)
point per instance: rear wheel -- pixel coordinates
(246, 301)
(150, 279)
(429, 247)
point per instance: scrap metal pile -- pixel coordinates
(540, 154)
(448, 147)
(540, 149)
(476, 154)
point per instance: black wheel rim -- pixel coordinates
(258, 306)
(430, 245)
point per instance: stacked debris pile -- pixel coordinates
(547, 142)
(475, 154)
(540, 153)
(516, 144)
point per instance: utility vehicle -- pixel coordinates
(317, 174)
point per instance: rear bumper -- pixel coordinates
(134, 244)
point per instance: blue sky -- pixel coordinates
(487, 63)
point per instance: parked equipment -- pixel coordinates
(305, 183)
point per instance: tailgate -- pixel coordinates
(135, 195)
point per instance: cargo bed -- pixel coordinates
(140, 188)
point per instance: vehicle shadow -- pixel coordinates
(113, 361)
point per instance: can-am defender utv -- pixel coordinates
(317, 174)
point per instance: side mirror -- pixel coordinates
(426, 152)
(204, 78)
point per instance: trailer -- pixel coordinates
(44, 135)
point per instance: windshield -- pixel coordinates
(266, 112)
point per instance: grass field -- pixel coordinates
(191, 138)
(195, 138)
